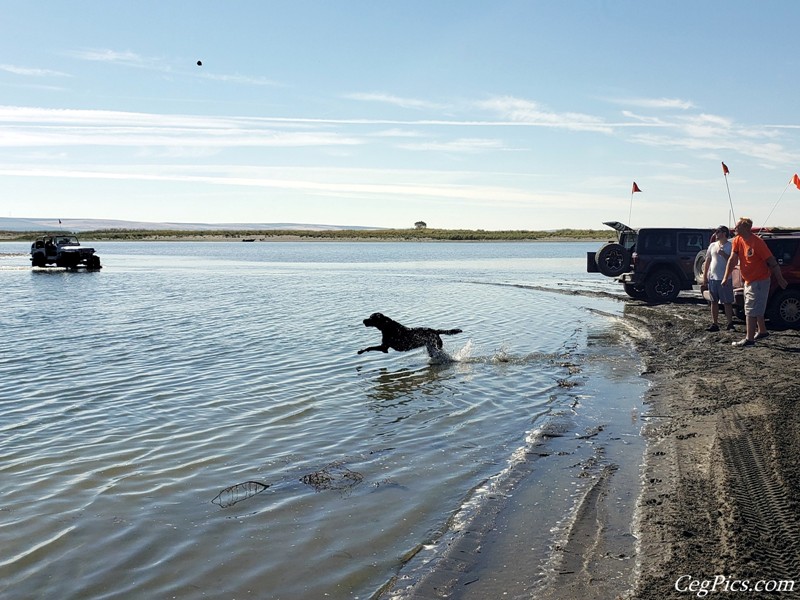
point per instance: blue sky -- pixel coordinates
(464, 114)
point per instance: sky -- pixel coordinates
(464, 114)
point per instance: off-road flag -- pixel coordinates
(796, 181)
(635, 188)
(725, 170)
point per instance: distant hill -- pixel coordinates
(79, 225)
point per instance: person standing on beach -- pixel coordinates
(713, 272)
(756, 262)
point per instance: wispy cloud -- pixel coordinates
(396, 101)
(241, 79)
(36, 127)
(120, 57)
(107, 55)
(697, 133)
(528, 112)
(397, 132)
(349, 183)
(128, 58)
(705, 133)
(31, 71)
(655, 103)
(460, 145)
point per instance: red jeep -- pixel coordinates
(783, 306)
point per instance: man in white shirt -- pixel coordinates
(713, 273)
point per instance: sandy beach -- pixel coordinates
(719, 506)
(722, 470)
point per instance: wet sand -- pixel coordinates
(722, 469)
(721, 473)
(719, 489)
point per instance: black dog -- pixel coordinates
(401, 338)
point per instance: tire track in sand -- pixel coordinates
(767, 530)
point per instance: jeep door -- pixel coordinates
(785, 252)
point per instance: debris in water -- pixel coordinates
(333, 477)
(239, 492)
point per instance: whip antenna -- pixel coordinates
(634, 189)
(725, 172)
(776, 204)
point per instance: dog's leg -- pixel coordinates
(447, 331)
(384, 349)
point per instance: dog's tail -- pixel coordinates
(448, 331)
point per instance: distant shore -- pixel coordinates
(385, 235)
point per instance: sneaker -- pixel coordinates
(712, 327)
(732, 327)
(761, 336)
(743, 343)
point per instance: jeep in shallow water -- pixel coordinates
(63, 251)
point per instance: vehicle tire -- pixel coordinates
(636, 292)
(785, 309)
(662, 286)
(93, 262)
(37, 260)
(699, 266)
(612, 259)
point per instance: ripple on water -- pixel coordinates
(167, 378)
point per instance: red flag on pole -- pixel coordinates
(725, 170)
(796, 181)
(636, 188)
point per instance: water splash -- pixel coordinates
(501, 356)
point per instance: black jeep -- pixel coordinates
(63, 250)
(652, 263)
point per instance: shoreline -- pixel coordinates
(718, 494)
(280, 239)
(582, 464)
(430, 235)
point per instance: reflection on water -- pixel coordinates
(132, 397)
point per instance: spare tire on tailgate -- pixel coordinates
(612, 259)
(699, 265)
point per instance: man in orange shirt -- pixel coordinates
(756, 262)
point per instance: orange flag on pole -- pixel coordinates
(636, 188)
(725, 170)
(796, 181)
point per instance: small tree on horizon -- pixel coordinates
(420, 224)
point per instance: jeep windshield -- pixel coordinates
(66, 240)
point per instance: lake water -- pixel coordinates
(135, 399)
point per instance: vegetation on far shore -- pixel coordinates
(416, 234)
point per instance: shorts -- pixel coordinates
(755, 297)
(719, 292)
